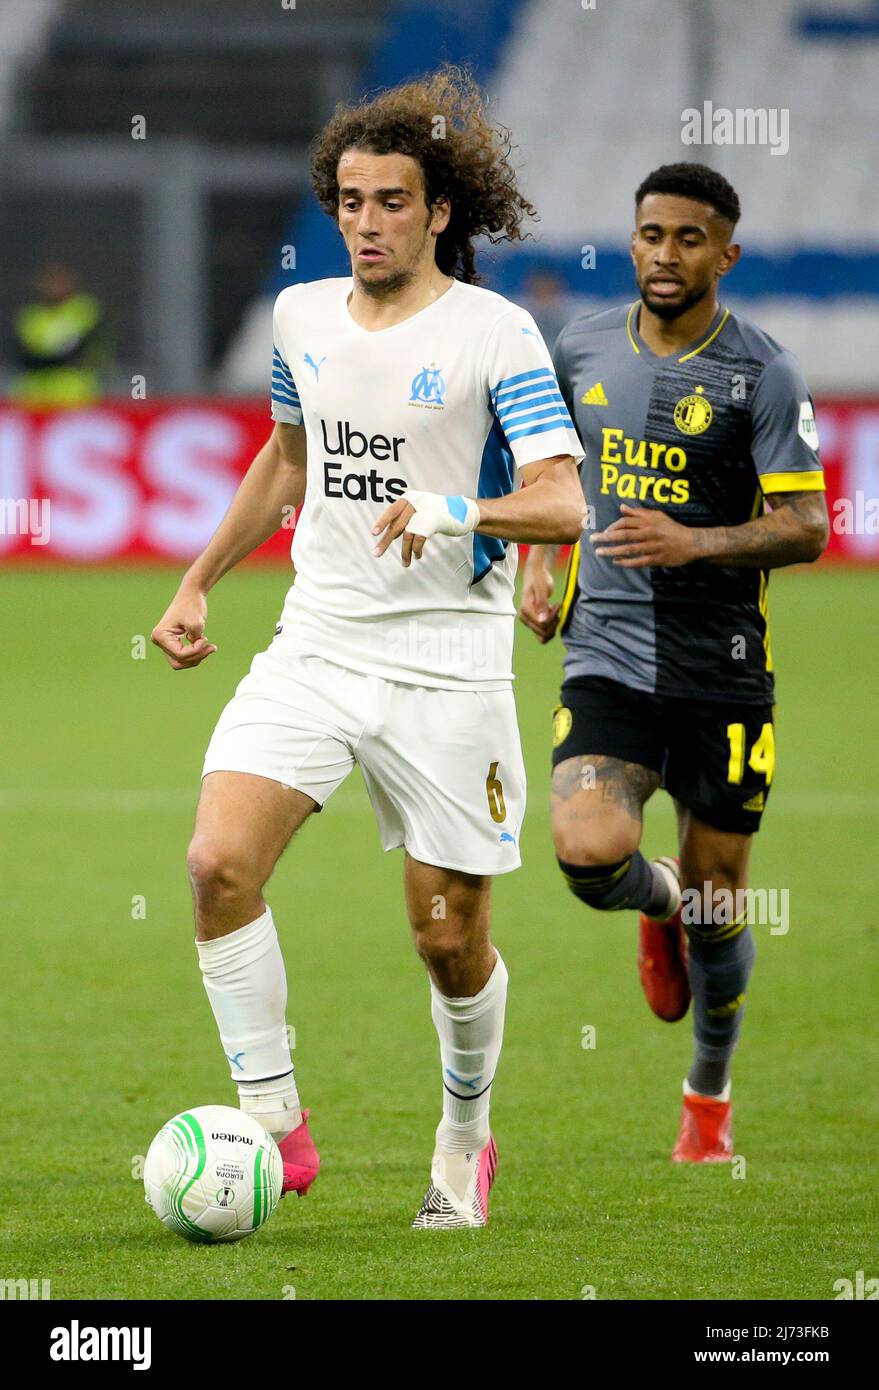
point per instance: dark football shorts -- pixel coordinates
(716, 759)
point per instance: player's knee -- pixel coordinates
(441, 946)
(215, 872)
(607, 845)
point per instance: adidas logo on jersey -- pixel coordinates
(595, 396)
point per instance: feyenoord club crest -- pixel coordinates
(562, 721)
(693, 413)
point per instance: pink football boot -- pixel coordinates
(301, 1159)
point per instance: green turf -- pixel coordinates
(107, 1031)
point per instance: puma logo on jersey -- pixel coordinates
(315, 366)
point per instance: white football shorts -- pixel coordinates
(443, 768)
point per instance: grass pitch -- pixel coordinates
(108, 1032)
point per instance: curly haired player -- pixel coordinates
(412, 406)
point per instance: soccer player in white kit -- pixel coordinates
(419, 422)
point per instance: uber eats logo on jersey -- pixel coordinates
(358, 485)
(619, 453)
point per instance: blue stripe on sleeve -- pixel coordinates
(278, 361)
(559, 423)
(504, 400)
(280, 388)
(550, 412)
(520, 407)
(538, 374)
(283, 386)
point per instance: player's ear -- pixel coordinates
(440, 214)
(729, 258)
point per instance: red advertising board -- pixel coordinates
(150, 482)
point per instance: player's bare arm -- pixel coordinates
(273, 484)
(794, 532)
(548, 507)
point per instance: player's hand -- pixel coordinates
(536, 610)
(645, 536)
(180, 633)
(418, 515)
(393, 523)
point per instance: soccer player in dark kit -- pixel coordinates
(701, 475)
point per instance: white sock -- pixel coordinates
(246, 985)
(724, 1094)
(470, 1032)
(274, 1103)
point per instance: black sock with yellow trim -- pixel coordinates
(633, 882)
(719, 971)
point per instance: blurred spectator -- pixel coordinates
(59, 343)
(545, 296)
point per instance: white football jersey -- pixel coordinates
(453, 400)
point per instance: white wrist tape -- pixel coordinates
(437, 515)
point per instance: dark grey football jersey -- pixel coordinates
(703, 435)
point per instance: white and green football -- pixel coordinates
(213, 1174)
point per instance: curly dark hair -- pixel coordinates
(468, 163)
(696, 181)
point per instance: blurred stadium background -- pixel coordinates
(159, 153)
(153, 186)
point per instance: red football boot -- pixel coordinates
(301, 1159)
(662, 956)
(706, 1131)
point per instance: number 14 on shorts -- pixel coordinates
(761, 758)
